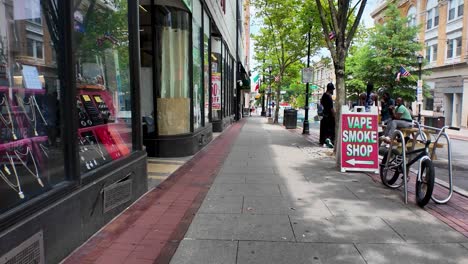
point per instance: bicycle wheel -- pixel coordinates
(389, 173)
(425, 185)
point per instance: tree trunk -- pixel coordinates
(340, 101)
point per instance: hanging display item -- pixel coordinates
(24, 144)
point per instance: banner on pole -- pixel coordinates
(359, 140)
(307, 75)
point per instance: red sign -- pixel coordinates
(359, 142)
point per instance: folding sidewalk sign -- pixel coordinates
(359, 140)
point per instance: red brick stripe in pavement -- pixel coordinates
(150, 230)
(454, 213)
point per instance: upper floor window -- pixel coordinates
(432, 18)
(454, 47)
(455, 9)
(431, 53)
(34, 48)
(412, 16)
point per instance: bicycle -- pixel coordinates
(394, 161)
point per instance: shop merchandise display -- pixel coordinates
(24, 146)
(98, 139)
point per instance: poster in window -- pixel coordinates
(31, 77)
(216, 91)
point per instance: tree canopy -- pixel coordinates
(390, 46)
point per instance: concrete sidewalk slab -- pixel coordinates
(344, 230)
(277, 205)
(240, 189)
(206, 251)
(252, 252)
(379, 207)
(241, 227)
(424, 230)
(222, 205)
(413, 253)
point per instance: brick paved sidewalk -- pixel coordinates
(150, 230)
(454, 213)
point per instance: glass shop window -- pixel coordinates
(103, 97)
(31, 145)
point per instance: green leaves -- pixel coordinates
(390, 46)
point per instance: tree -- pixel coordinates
(281, 36)
(390, 46)
(340, 22)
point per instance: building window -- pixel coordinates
(103, 98)
(34, 48)
(454, 47)
(412, 16)
(458, 46)
(432, 18)
(431, 53)
(206, 69)
(455, 9)
(31, 143)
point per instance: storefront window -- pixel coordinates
(216, 65)
(206, 70)
(197, 40)
(103, 85)
(31, 153)
(173, 82)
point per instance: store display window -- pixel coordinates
(216, 65)
(197, 51)
(173, 80)
(103, 98)
(31, 145)
(206, 64)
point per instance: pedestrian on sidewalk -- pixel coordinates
(327, 124)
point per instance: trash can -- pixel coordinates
(434, 121)
(290, 118)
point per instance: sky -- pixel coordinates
(366, 18)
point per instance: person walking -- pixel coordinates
(327, 124)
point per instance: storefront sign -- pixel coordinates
(419, 89)
(216, 91)
(307, 75)
(31, 77)
(359, 141)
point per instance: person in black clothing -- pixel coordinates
(327, 125)
(387, 103)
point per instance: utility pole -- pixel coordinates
(305, 126)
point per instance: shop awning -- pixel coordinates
(244, 78)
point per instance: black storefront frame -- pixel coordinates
(187, 143)
(19, 223)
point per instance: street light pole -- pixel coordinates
(264, 91)
(420, 59)
(269, 92)
(305, 129)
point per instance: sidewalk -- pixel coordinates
(276, 198)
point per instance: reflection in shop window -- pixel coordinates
(31, 146)
(102, 78)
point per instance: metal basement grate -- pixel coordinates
(30, 251)
(117, 194)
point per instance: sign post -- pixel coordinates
(307, 75)
(359, 140)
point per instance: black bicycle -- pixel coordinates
(391, 168)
